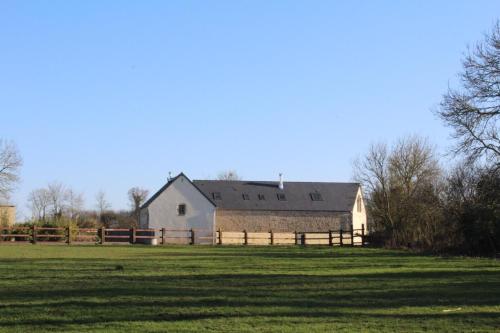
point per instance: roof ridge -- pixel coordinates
(269, 181)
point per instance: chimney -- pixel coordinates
(281, 186)
(169, 176)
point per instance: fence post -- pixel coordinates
(68, 234)
(33, 233)
(192, 237)
(296, 239)
(362, 235)
(303, 239)
(220, 237)
(272, 236)
(2, 232)
(163, 235)
(102, 234)
(352, 235)
(245, 235)
(132, 236)
(341, 237)
(330, 238)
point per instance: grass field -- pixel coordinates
(243, 289)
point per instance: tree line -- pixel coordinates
(413, 201)
(59, 204)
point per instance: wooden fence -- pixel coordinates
(351, 237)
(66, 235)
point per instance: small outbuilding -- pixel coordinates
(7, 215)
(254, 206)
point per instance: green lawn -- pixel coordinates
(243, 289)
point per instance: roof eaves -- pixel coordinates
(164, 187)
(160, 191)
(288, 210)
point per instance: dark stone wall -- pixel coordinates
(281, 221)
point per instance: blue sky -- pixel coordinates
(114, 94)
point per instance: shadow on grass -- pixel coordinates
(356, 290)
(285, 252)
(49, 292)
(485, 318)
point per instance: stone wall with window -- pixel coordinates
(281, 221)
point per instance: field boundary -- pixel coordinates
(163, 236)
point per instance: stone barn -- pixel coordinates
(254, 206)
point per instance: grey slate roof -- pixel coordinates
(338, 197)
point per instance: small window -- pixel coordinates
(316, 196)
(281, 196)
(358, 204)
(216, 196)
(261, 197)
(181, 210)
(246, 196)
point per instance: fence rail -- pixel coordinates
(351, 237)
(67, 235)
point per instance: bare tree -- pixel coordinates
(55, 201)
(58, 196)
(372, 172)
(473, 112)
(101, 203)
(10, 164)
(402, 186)
(228, 175)
(74, 204)
(137, 196)
(38, 202)
(413, 164)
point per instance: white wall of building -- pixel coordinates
(359, 216)
(162, 212)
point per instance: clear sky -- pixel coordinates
(114, 94)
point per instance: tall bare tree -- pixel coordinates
(402, 185)
(101, 203)
(372, 171)
(473, 111)
(54, 202)
(58, 196)
(39, 202)
(137, 196)
(228, 175)
(74, 204)
(10, 165)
